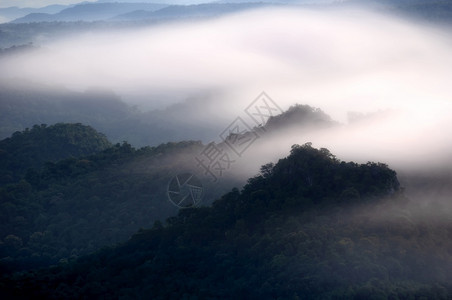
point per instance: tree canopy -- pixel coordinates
(309, 226)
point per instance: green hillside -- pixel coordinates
(33, 147)
(78, 205)
(309, 227)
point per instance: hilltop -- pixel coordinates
(310, 226)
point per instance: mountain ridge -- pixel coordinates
(89, 12)
(267, 242)
(33, 147)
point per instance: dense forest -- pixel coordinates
(66, 191)
(132, 168)
(308, 227)
(32, 148)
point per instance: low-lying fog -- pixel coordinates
(394, 74)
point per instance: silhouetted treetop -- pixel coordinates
(33, 147)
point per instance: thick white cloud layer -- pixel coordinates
(339, 61)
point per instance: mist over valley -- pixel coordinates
(226, 149)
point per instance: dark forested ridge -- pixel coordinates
(308, 227)
(300, 117)
(33, 147)
(66, 191)
(58, 202)
(85, 212)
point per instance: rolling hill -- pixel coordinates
(310, 226)
(89, 12)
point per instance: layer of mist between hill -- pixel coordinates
(382, 78)
(340, 61)
(288, 221)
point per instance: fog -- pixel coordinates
(394, 73)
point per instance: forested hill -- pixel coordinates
(76, 206)
(58, 202)
(33, 147)
(309, 227)
(106, 112)
(300, 117)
